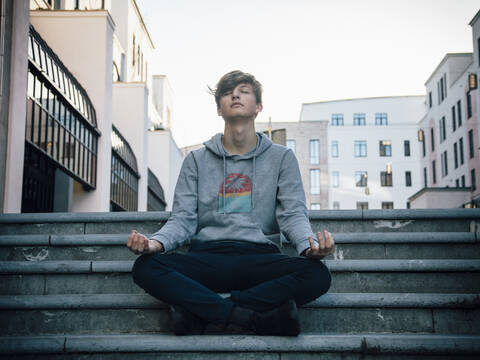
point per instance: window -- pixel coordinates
(469, 106)
(478, 50)
(460, 145)
(444, 164)
(291, 144)
(408, 178)
(459, 112)
(424, 150)
(425, 183)
(337, 119)
(385, 148)
(455, 155)
(361, 178)
(432, 139)
(314, 151)
(133, 51)
(470, 144)
(359, 119)
(443, 132)
(430, 99)
(335, 179)
(434, 172)
(442, 88)
(315, 206)
(381, 119)
(385, 178)
(335, 149)
(360, 148)
(336, 205)
(473, 179)
(314, 181)
(463, 180)
(454, 121)
(362, 205)
(457, 183)
(406, 147)
(387, 205)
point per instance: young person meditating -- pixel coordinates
(232, 199)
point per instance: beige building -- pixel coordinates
(304, 138)
(94, 112)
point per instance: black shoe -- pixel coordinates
(183, 322)
(281, 321)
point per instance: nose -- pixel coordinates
(235, 94)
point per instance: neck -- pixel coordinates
(239, 138)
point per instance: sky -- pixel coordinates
(301, 51)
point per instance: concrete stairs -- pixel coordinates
(406, 284)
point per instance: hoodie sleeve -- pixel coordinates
(182, 224)
(292, 214)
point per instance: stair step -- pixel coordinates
(145, 301)
(191, 347)
(331, 313)
(382, 245)
(348, 221)
(391, 276)
(404, 265)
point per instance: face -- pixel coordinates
(239, 103)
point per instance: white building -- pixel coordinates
(365, 158)
(449, 131)
(93, 116)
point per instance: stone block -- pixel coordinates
(112, 283)
(22, 284)
(369, 320)
(400, 282)
(43, 228)
(433, 251)
(457, 321)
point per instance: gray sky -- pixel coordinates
(301, 51)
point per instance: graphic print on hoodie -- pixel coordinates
(238, 194)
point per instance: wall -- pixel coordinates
(130, 101)
(83, 40)
(15, 147)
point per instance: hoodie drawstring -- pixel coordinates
(224, 175)
(253, 182)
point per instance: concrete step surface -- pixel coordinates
(425, 276)
(381, 245)
(336, 221)
(404, 265)
(244, 347)
(331, 313)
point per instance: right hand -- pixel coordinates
(140, 244)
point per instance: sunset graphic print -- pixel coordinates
(238, 193)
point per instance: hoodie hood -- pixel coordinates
(215, 146)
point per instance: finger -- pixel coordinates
(329, 242)
(312, 243)
(321, 241)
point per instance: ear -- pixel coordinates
(219, 111)
(259, 108)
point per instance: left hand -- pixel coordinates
(325, 247)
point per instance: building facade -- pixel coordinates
(357, 153)
(84, 141)
(449, 132)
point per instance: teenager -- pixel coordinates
(233, 199)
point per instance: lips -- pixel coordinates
(236, 105)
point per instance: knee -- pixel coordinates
(321, 278)
(141, 268)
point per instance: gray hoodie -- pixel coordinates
(250, 197)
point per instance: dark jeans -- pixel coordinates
(258, 276)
